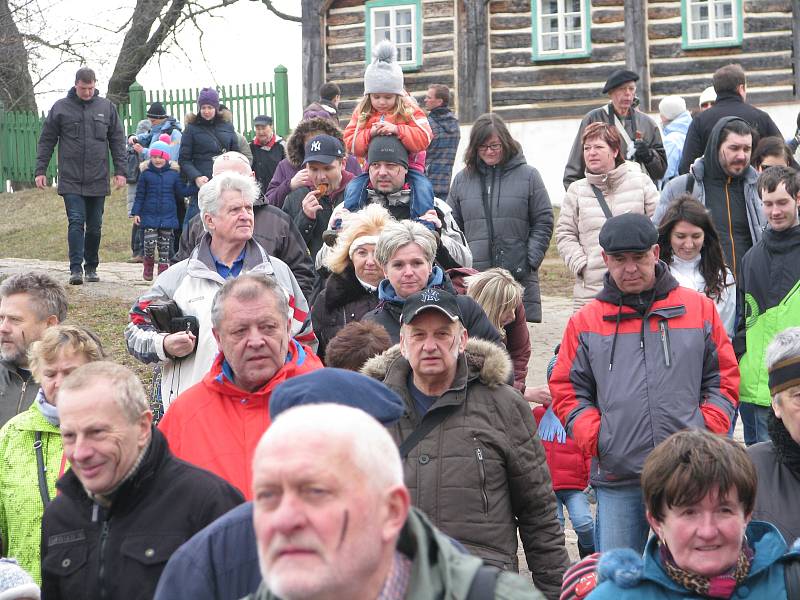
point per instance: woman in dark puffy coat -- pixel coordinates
(208, 134)
(502, 206)
(351, 291)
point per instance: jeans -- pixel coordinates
(579, 514)
(191, 210)
(754, 422)
(84, 218)
(621, 521)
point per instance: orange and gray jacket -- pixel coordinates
(634, 369)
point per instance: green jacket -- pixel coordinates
(20, 501)
(438, 569)
(769, 287)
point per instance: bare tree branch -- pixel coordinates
(282, 15)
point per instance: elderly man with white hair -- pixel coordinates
(184, 344)
(126, 503)
(272, 228)
(332, 519)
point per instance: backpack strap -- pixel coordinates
(484, 583)
(602, 201)
(429, 422)
(41, 469)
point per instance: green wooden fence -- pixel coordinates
(19, 131)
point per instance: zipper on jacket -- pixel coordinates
(482, 475)
(21, 396)
(664, 327)
(101, 575)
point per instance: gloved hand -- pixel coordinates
(642, 153)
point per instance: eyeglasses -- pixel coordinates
(490, 148)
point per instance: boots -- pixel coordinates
(584, 551)
(147, 271)
(162, 267)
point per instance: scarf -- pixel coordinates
(719, 586)
(399, 198)
(48, 411)
(786, 449)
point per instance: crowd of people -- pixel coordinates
(341, 329)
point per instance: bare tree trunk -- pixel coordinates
(16, 85)
(139, 46)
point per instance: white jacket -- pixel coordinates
(688, 275)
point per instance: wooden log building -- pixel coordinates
(533, 59)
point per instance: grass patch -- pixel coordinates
(34, 225)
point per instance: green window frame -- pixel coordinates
(711, 23)
(402, 21)
(560, 29)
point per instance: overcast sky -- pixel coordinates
(242, 45)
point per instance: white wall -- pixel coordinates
(546, 143)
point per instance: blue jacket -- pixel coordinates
(674, 138)
(157, 192)
(219, 562)
(170, 127)
(652, 583)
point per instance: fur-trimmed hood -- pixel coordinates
(222, 115)
(486, 361)
(295, 147)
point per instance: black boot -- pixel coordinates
(584, 551)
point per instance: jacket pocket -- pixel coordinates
(511, 255)
(66, 566)
(479, 458)
(150, 550)
(100, 127)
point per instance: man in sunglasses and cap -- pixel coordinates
(641, 139)
(471, 456)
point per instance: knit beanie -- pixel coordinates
(387, 148)
(383, 75)
(208, 96)
(156, 111)
(708, 95)
(671, 107)
(161, 147)
(15, 582)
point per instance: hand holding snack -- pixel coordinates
(311, 205)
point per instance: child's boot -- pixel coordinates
(147, 269)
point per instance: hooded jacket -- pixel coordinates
(192, 284)
(390, 307)
(674, 138)
(93, 552)
(625, 189)
(732, 201)
(438, 570)
(635, 368)
(647, 580)
(323, 109)
(655, 167)
(506, 216)
(728, 104)
(173, 129)
(769, 292)
(280, 184)
(202, 141)
(16, 393)
(342, 300)
(312, 229)
(481, 475)
(85, 131)
(157, 191)
(216, 425)
(441, 153)
(21, 506)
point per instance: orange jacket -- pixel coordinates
(415, 135)
(216, 426)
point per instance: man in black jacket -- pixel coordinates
(85, 127)
(127, 503)
(267, 148)
(729, 84)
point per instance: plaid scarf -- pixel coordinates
(719, 586)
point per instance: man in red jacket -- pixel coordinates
(217, 423)
(644, 359)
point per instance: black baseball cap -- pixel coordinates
(262, 120)
(323, 149)
(431, 299)
(630, 232)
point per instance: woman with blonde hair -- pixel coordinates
(500, 296)
(31, 454)
(352, 289)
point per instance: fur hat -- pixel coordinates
(384, 75)
(671, 107)
(15, 582)
(208, 96)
